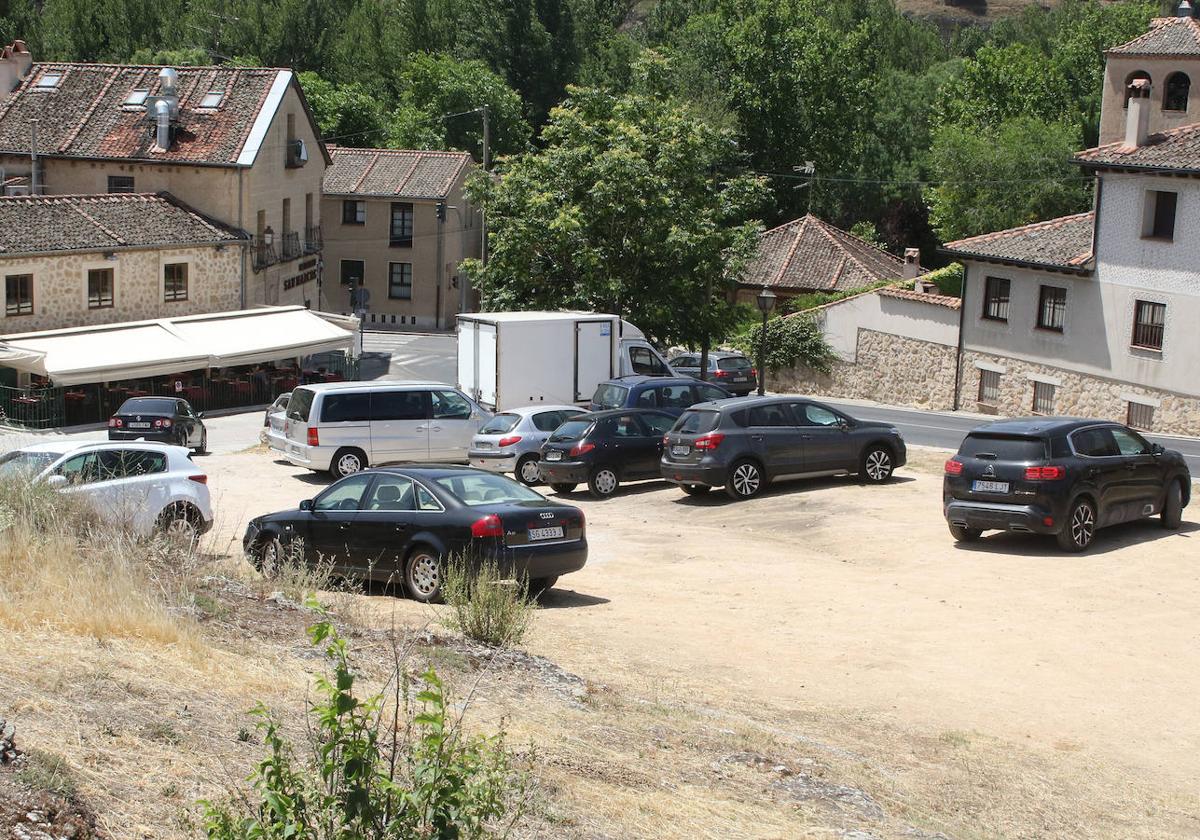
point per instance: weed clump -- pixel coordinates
(484, 606)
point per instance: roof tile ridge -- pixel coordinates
(87, 115)
(452, 177)
(362, 178)
(112, 234)
(828, 229)
(408, 176)
(211, 224)
(791, 251)
(1019, 229)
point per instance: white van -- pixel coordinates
(344, 427)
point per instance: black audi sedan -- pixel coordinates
(1062, 476)
(163, 419)
(603, 449)
(402, 524)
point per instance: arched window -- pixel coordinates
(1175, 98)
(1130, 79)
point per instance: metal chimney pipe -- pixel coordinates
(162, 119)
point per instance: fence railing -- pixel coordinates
(313, 240)
(291, 245)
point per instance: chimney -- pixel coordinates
(168, 88)
(1184, 9)
(162, 122)
(24, 57)
(912, 264)
(1137, 117)
(10, 77)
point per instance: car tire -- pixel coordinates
(603, 482)
(695, 489)
(746, 480)
(527, 476)
(1172, 512)
(269, 558)
(347, 462)
(963, 534)
(877, 464)
(562, 489)
(180, 523)
(181, 438)
(537, 586)
(1079, 529)
(202, 449)
(423, 575)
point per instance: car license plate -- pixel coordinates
(740, 379)
(554, 533)
(989, 486)
(139, 425)
(680, 450)
(483, 446)
(554, 455)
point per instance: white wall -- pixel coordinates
(841, 321)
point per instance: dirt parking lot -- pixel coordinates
(832, 601)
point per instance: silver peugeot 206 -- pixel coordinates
(510, 441)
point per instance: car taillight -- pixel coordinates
(199, 479)
(954, 467)
(754, 371)
(1044, 473)
(314, 439)
(162, 424)
(487, 526)
(709, 441)
(509, 441)
(720, 374)
(581, 448)
(115, 422)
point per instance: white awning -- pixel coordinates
(172, 345)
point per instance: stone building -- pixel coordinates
(397, 225)
(71, 261)
(1094, 314)
(237, 144)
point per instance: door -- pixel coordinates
(191, 422)
(642, 359)
(775, 438)
(593, 356)
(329, 536)
(381, 533)
(98, 477)
(453, 422)
(144, 477)
(1105, 471)
(825, 439)
(1143, 481)
(487, 363)
(633, 448)
(399, 426)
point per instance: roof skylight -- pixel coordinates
(212, 99)
(49, 79)
(137, 96)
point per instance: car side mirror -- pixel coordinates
(56, 481)
(1156, 449)
(199, 415)
(844, 425)
(307, 504)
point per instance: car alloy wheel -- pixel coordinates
(270, 557)
(745, 479)
(424, 576)
(604, 482)
(348, 463)
(527, 470)
(878, 465)
(1080, 527)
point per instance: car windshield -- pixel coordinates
(142, 405)
(697, 422)
(300, 404)
(500, 424)
(734, 363)
(610, 396)
(25, 463)
(1003, 447)
(571, 430)
(476, 489)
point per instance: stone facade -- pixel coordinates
(887, 368)
(1075, 394)
(60, 286)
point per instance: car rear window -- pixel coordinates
(734, 363)
(1003, 447)
(344, 408)
(697, 422)
(500, 424)
(610, 396)
(300, 404)
(141, 405)
(572, 430)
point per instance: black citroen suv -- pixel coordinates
(1062, 476)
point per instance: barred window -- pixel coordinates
(995, 298)
(1043, 398)
(989, 387)
(1052, 308)
(1140, 416)
(1149, 321)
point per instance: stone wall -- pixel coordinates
(60, 286)
(1075, 394)
(887, 368)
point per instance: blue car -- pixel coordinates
(668, 394)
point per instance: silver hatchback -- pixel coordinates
(512, 440)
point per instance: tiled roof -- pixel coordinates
(48, 223)
(1064, 243)
(948, 301)
(398, 173)
(85, 115)
(1177, 150)
(811, 254)
(1166, 36)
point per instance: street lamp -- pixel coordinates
(766, 302)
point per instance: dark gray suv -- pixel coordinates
(742, 444)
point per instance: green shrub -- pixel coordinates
(792, 340)
(484, 606)
(375, 769)
(44, 771)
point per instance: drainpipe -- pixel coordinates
(962, 314)
(245, 250)
(439, 211)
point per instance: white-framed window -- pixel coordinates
(1043, 398)
(49, 80)
(136, 97)
(212, 99)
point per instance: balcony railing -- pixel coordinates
(264, 253)
(312, 239)
(291, 245)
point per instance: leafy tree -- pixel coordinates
(631, 207)
(344, 113)
(186, 57)
(1005, 177)
(1001, 83)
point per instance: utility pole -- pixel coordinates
(34, 186)
(485, 112)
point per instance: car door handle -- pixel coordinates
(422, 428)
(435, 428)
(342, 526)
(1131, 466)
(402, 526)
(756, 437)
(805, 437)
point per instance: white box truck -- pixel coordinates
(510, 359)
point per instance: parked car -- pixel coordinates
(604, 449)
(1061, 476)
(732, 371)
(344, 427)
(164, 419)
(274, 419)
(512, 440)
(154, 487)
(744, 444)
(670, 395)
(403, 523)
